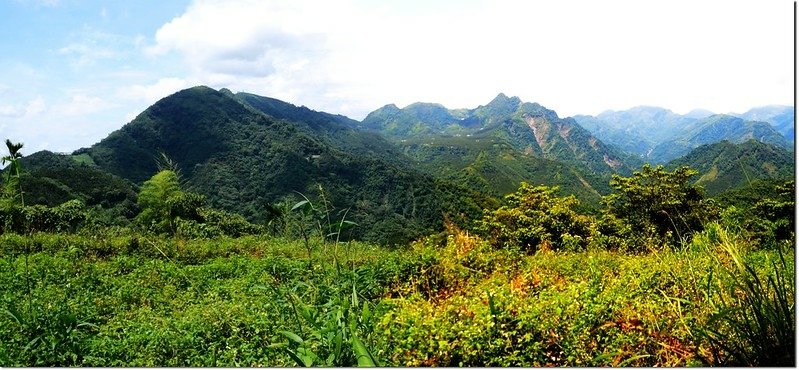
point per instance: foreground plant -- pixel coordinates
(754, 325)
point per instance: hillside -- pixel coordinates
(51, 179)
(243, 160)
(493, 166)
(658, 135)
(715, 129)
(530, 128)
(332, 129)
(725, 165)
(779, 116)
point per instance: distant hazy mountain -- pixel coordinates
(638, 130)
(723, 165)
(699, 114)
(655, 123)
(779, 116)
(625, 138)
(715, 129)
(658, 135)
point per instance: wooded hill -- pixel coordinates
(399, 173)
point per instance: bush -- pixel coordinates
(536, 218)
(66, 217)
(657, 205)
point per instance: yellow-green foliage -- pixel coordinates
(591, 308)
(115, 297)
(535, 218)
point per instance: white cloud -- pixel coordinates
(82, 105)
(90, 46)
(576, 56)
(9, 111)
(35, 107)
(151, 93)
(27, 110)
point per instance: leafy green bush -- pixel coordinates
(29, 219)
(658, 205)
(535, 218)
(767, 222)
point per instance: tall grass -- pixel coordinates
(754, 324)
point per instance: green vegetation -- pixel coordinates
(13, 188)
(222, 229)
(536, 218)
(659, 135)
(534, 283)
(657, 207)
(724, 165)
(241, 158)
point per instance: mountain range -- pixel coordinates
(401, 171)
(658, 135)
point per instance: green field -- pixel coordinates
(129, 300)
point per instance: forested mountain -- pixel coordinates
(725, 165)
(715, 129)
(658, 135)
(243, 160)
(530, 128)
(493, 166)
(246, 153)
(52, 179)
(332, 129)
(779, 116)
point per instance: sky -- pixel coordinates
(73, 71)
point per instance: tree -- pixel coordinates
(13, 186)
(536, 218)
(155, 197)
(655, 203)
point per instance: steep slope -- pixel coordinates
(725, 165)
(626, 138)
(537, 130)
(528, 127)
(243, 159)
(51, 179)
(417, 119)
(493, 166)
(715, 129)
(779, 116)
(332, 129)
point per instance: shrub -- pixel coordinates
(28, 219)
(659, 205)
(536, 218)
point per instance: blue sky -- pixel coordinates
(72, 71)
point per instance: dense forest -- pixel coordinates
(221, 229)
